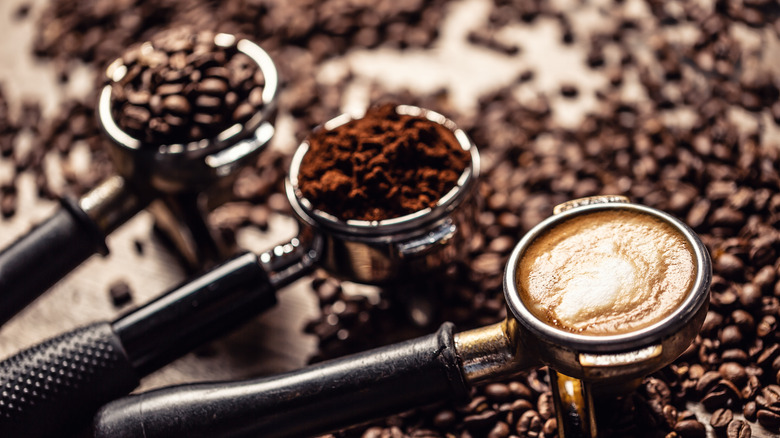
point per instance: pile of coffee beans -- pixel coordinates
(181, 86)
(718, 173)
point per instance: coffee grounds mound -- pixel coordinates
(181, 87)
(382, 166)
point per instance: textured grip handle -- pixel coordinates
(306, 402)
(47, 253)
(58, 385)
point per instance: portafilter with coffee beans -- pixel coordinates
(183, 112)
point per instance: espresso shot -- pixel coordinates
(606, 273)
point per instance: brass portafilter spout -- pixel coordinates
(657, 275)
(53, 387)
(174, 171)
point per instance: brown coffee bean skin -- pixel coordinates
(176, 104)
(444, 419)
(497, 392)
(769, 419)
(690, 429)
(529, 423)
(720, 419)
(212, 86)
(750, 410)
(545, 406)
(738, 429)
(733, 372)
(500, 430)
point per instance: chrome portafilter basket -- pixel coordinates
(379, 252)
(441, 366)
(195, 165)
(176, 175)
(582, 366)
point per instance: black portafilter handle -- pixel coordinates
(56, 387)
(52, 249)
(314, 400)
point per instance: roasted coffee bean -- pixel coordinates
(529, 424)
(212, 86)
(720, 419)
(738, 429)
(176, 104)
(497, 392)
(707, 381)
(444, 419)
(120, 293)
(733, 372)
(769, 419)
(545, 406)
(500, 430)
(481, 422)
(750, 410)
(730, 336)
(690, 429)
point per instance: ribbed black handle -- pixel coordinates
(57, 385)
(42, 257)
(316, 399)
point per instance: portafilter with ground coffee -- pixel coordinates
(56, 385)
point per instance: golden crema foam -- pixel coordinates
(606, 272)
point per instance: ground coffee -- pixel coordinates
(381, 166)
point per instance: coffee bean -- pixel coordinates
(733, 372)
(530, 423)
(500, 430)
(445, 419)
(707, 381)
(176, 104)
(545, 406)
(497, 392)
(481, 422)
(750, 411)
(720, 419)
(730, 336)
(744, 321)
(212, 86)
(769, 419)
(209, 103)
(690, 429)
(120, 293)
(738, 429)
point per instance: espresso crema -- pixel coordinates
(606, 272)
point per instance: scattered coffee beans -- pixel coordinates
(714, 173)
